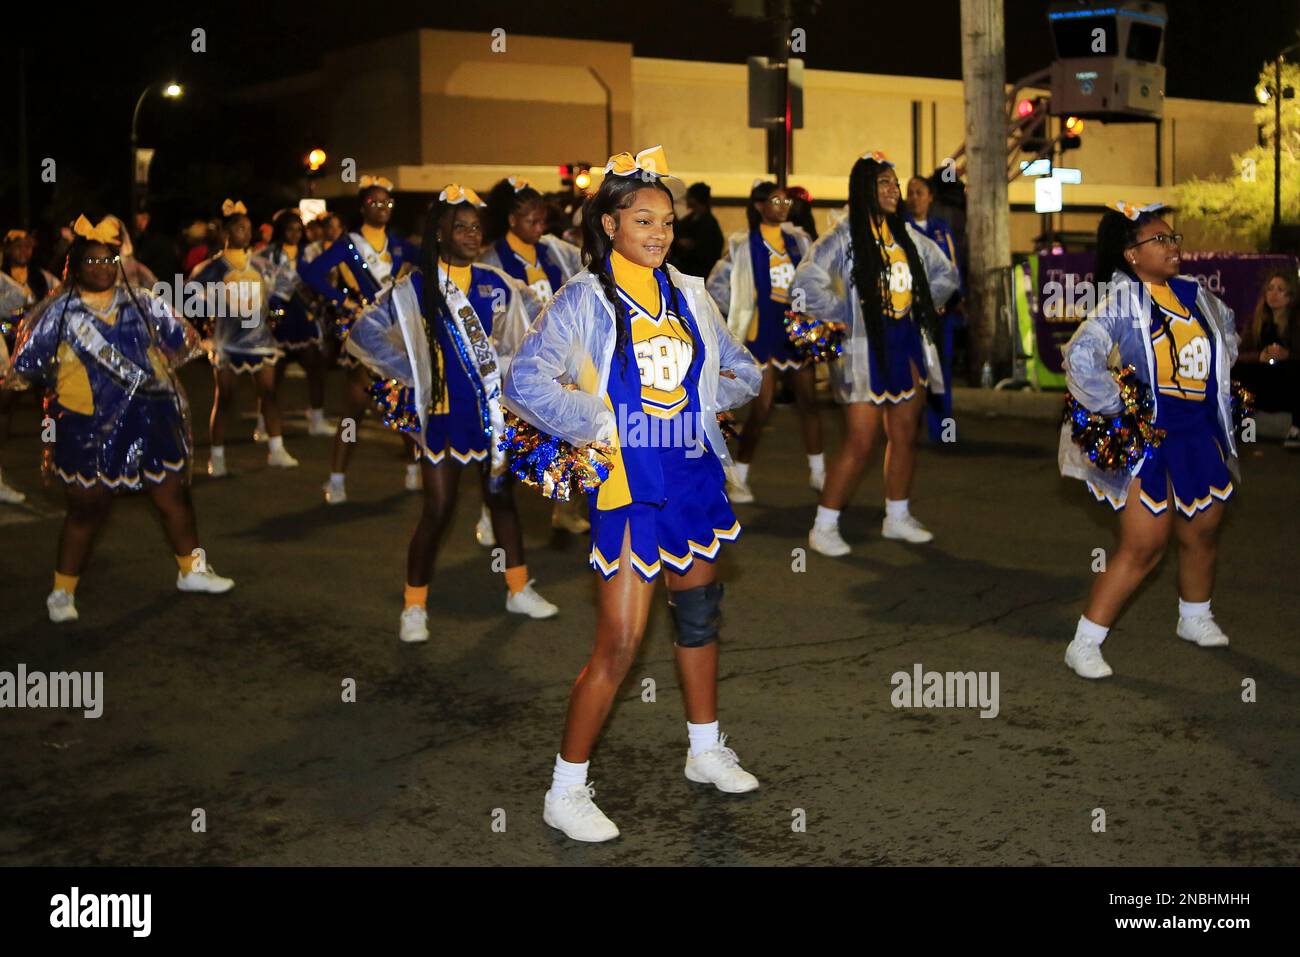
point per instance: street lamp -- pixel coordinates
(1278, 93)
(171, 91)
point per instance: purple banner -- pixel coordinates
(1233, 277)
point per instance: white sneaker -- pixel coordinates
(1203, 630)
(576, 814)
(217, 468)
(906, 528)
(335, 492)
(281, 459)
(720, 767)
(1086, 660)
(817, 479)
(319, 427)
(565, 516)
(413, 481)
(415, 624)
(10, 495)
(738, 490)
(61, 605)
(528, 602)
(1292, 438)
(203, 579)
(828, 541)
(483, 530)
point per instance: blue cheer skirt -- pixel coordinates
(143, 443)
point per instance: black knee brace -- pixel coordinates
(696, 612)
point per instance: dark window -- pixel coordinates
(1075, 37)
(1144, 42)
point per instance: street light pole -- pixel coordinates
(135, 122)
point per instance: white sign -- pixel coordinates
(1047, 195)
(1039, 167)
(1066, 175)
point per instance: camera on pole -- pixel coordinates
(1109, 60)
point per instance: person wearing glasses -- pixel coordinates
(237, 288)
(368, 259)
(880, 279)
(446, 332)
(106, 354)
(1183, 341)
(751, 285)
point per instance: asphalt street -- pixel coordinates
(234, 704)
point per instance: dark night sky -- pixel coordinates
(82, 116)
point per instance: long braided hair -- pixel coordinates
(871, 259)
(617, 193)
(433, 301)
(1116, 233)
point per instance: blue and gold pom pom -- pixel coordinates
(1122, 440)
(396, 404)
(550, 464)
(812, 338)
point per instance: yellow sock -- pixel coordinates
(516, 578)
(415, 596)
(186, 563)
(66, 583)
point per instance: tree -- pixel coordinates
(1242, 204)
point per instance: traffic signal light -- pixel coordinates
(1031, 117)
(1071, 133)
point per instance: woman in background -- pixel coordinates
(1269, 363)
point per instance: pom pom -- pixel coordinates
(1121, 440)
(551, 464)
(812, 338)
(1243, 404)
(728, 426)
(396, 403)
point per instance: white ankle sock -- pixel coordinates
(1193, 609)
(218, 452)
(1090, 632)
(414, 469)
(315, 416)
(817, 463)
(740, 470)
(566, 775)
(336, 478)
(275, 443)
(704, 737)
(827, 517)
(896, 508)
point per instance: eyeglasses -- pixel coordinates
(1164, 239)
(380, 204)
(466, 228)
(107, 261)
(780, 201)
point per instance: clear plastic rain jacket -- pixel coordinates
(825, 279)
(572, 341)
(566, 256)
(1122, 321)
(731, 281)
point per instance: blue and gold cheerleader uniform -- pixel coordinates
(668, 489)
(106, 361)
(292, 322)
(544, 267)
(903, 347)
(751, 285)
(368, 261)
(21, 287)
(382, 335)
(237, 288)
(1191, 457)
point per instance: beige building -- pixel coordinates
(430, 107)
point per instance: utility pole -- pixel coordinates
(988, 230)
(781, 141)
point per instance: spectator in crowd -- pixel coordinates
(1268, 364)
(153, 251)
(698, 239)
(200, 243)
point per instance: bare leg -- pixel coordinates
(902, 422)
(354, 409)
(440, 485)
(505, 519)
(698, 667)
(172, 498)
(861, 425)
(222, 402)
(805, 398)
(1198, 546)
(1142, 538)
(87, 510)
(758, 414)
(264, 380)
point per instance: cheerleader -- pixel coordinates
(519, 243)
(880, 279)
(751, 285)
(367, 261)
(444, 331)
(21, 287)
(238, 286)
(296, 330)
(1183, 341)
(653, 364)
(106, 354)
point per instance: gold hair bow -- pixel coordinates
(15, 234)
(383, 182)
(455, 193)
(878, 156)
(647, 161)
(519, 183)
(105, 232)
(1132, 211)
(231, 207)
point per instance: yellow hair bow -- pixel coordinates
(105, 232)
(1133, 212)
(15, 234)
(878, 156)
(455, 193)
(650, 161)
(519, 183)
(232, 207)
(383, 182)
